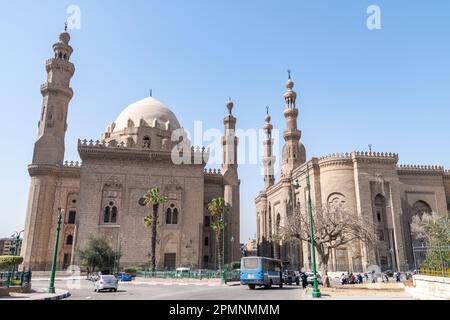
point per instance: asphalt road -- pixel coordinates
(169, 291)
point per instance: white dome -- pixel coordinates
(148, 109)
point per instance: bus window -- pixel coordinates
(251, 263)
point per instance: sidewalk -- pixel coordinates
(38, 294)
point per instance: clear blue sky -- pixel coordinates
(388, 87)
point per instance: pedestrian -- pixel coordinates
(352, 279)
(343, 279)
(360, 279)
(398, 276)
(386, 277)
(366, 276)
(304, 280)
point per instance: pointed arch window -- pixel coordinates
(110, 213)
(147, 142)
(172, 215)
(69, 240)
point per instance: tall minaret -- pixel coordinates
(231, 187)
(294, 153)
(48, 157)
(57, 93)
(269, 159)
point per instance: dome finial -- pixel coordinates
(268, 117)
(65, 26)
(230, 106)
(289, 74)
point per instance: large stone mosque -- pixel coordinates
(371, 185)
(102, 196)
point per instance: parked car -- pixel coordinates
(122, 276)
(291, 277)
(182, 272)
(310, 279)
(106, 282)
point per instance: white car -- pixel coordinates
(106, 282)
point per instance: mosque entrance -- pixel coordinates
(170, 261)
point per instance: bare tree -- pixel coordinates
(334, 227)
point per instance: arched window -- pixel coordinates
(380, 209)
(69, 240)
(107, 214)
(114, 215)
(418, 210)
(169, 216)
(278, 223)
(111, 213)
(175, 216)
(147, 142)
(206, 241)
(172, 215)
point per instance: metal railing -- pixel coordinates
(15, 279)
(230, 275)
(432, 261)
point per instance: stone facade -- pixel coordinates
(369, 184)
(103, 195)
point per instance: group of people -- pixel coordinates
(350, 278)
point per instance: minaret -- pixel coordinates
(57, 93)
(231, 186)
(294, 153)
(269, 159)
(48, 158)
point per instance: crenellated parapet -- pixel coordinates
(421, 170)
(347, 159)
(72, 164)
(213, 172)
(123, 150)
(213, 176)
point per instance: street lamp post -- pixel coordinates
(51, 288)
(222, 275)
(316, 292)
(232, 248)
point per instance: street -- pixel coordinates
(176, 291)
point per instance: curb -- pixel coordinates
(59, 297)
(233, 284)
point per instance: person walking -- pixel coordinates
(304, 280)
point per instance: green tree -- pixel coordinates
(434, 231)
(218, 209)
(97, 254)
(9, 261)
(153, 199)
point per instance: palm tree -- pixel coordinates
(152, 199)
(218, 208)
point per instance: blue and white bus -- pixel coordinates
(259, 271)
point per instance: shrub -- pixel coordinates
(131, 270)
(10, 261)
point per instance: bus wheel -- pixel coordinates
(252, 286)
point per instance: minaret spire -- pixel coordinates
(269, 159)
(231, 184)
(294, 153)
(57, 93)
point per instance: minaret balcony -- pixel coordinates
(56, 63)
(53, 87)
